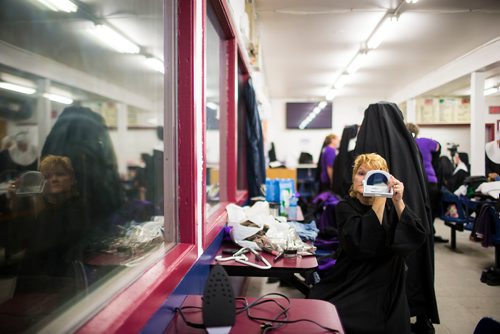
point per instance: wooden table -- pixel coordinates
(285, 268)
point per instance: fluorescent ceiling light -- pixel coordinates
(58, 98)
(14, 79)
(330, 95)
(115, 40)
(490, 91)
(322, 104)
(381, 32)
(155, 64)
(17, 88)
(356, 62)
(60, 5)
(341, 81)
(411, 1)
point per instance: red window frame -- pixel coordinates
(131, 309)
(228, 123)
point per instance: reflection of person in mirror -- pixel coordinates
(58, 227)
(367, 284)
(20, 155)
(60, 177)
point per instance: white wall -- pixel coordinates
(454, 134)
(289, 143)
(136, 142)
(347, 111)
(493, 118)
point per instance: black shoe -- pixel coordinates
(438, 238)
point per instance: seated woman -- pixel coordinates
(462, 170)
(367, 283)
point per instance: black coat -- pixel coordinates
(384, 131)
(256, 162)
(367, 284)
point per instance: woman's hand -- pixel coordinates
(398, 189)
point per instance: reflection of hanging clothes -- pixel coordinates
(81, 135)
(342, 166)
(256, 162)
(383, 131)
(20, 157)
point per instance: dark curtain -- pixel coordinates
(80, 134)
(256, 162)
(342, 167)
(383, 131)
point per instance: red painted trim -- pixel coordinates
(222, 13)
(241, 196)
(187, 160)
(227, 157)
(229, 28)
(214, 224)
(131, 309)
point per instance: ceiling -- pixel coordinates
(62, 38)
(306, 45)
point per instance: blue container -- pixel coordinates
(272, 190)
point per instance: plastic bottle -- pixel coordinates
(292, 209)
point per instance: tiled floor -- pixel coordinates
(462, 299)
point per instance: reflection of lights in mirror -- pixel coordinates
(111, 137)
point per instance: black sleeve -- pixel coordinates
(409, 233)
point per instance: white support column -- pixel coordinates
(477, 123)
(411, 111)
(121, 136)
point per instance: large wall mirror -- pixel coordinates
(212, 112)
(81, 166)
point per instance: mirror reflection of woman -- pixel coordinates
(367, 283)
(59, 227)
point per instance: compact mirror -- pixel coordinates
(376, 184)
(30, 183)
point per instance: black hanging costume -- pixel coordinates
(343, 163)
(367, 284)
(256, 162)
(383, 131)
(81, 135)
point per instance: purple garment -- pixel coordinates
(426, 147)
(327, 158)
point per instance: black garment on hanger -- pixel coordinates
(81, 135)
(256, 162)
(342, 167)
(384, 131)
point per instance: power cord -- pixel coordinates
(266, 324)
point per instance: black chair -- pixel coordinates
(458, 220)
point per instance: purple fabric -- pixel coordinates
(326, 198)
(426, 146)
(326, 264)
(327, 158)
(227, 233)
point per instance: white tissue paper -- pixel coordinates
(259, 216)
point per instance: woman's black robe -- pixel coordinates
(384, 131)
(367, 284)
